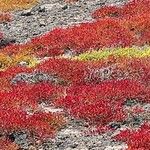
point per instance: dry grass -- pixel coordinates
(10, 5)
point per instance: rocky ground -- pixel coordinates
(47, 15)
(78, 135)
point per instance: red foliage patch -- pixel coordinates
(5, 17)
(104, 33)
(95, 103)
(139, 139)
(108, 11)
(129, 10)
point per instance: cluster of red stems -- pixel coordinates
(95, 91)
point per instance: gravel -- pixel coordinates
(75, 136)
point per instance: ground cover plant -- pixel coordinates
(5, 17)
(134, 52)
(107, 69)
(8, 5)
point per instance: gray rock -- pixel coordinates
(46, 7)
(27, 12)
(6, 41)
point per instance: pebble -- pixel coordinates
(6, 41)
(46, 7)
(27, 12)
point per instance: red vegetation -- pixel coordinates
(45, 124)
(12, 119)
(139, 139)
(96, 102)
(7, 145)
(132, 68)
(108, 11)
(139, 25)
(134, 16)
(5, 17)
(9, 74)
(40, 123)
(136, 7)
(27, 95)
(80, 72)
(72, 71)
(129, 10)
(104, 33)
(14, 105)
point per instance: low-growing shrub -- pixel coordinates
(129, 10)
(85, 36)
(108, 11)
(102, 103)
(117, 52)
(139, 139)
(5, 17)
(136, 7)
(39, 124)
(139, 25)
(20, 110)
(8, 145)
(24, 95)
(89, 72)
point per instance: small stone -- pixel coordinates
(74, 145)
(46, 7)
(11, 137)
(6, 41)
(130, 102)
(58, 143)
(27, 12)
(115, 125)
(65, 7)
(137, 121)
(32, 148)
(42, 23)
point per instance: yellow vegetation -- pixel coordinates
(5, 61)
(132, 52)
(30, 61)
(10, 5)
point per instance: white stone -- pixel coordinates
(119, 147)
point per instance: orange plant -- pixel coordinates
(9, 5)
(5, 17)
(7, 145)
